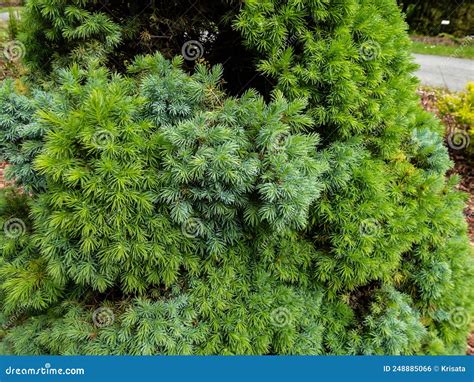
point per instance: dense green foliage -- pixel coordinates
(138, 194)
(59, 31)
(20, 136)
(392, 212)
(311, 217)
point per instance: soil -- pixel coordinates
(3, 183)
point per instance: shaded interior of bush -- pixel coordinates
(167, 26)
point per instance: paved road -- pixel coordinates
(448, 72)
(4, 16)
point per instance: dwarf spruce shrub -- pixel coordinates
(163, 199)
(185, 213)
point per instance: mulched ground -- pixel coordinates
(3, 183)
(440, 40)
(6, 69)
(465, 168)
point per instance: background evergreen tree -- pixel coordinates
(177, 219)
(425, 17)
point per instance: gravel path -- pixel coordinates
(449, 72)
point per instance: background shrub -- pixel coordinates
(424, 17)
(197, 215)
(461, 107)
